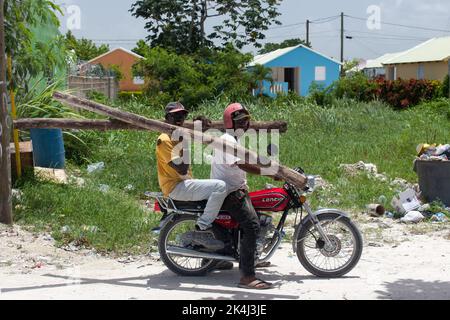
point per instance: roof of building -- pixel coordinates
(268, 57)
(111, 51)
(378, 62)
(436, 49)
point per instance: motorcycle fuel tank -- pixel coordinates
(270, 200)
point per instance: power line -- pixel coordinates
(401, 25)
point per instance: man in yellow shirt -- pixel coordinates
(175, 180)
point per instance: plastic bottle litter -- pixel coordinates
(104, 188)
(439, 217)
(95, 167)
(389, 215)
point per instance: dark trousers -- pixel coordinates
(240, 207)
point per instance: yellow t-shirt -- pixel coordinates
(168, 177)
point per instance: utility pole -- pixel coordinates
(342, 44)
(307, 32)
(5, 160)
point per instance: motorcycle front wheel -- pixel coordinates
(336, 259)
(170, 236)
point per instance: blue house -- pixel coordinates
(295, 69)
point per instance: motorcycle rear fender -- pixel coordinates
(308, 219)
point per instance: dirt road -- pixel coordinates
(418, 267)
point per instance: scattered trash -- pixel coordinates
(439, 217)
(373, 244)
(389, 215)
(406, 201)
(424, 207)
(53, 175)
(401, 183)
(382, 200)
(352, 169)
(129, 187)
(433, 152)
(104, 188)
(17, 194)
(91, 229)
(412, 217)
(95, 167)
(65, 229)
(376, 210)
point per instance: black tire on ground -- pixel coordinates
(348, 266)
(207, 265)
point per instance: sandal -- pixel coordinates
(263, 264)
(257, 284)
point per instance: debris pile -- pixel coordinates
(433, 152)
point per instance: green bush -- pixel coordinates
(192, 79)
(130, 95)
(445, 87)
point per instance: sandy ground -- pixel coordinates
(398, 262)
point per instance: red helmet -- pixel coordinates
(230, 114)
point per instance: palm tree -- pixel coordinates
(260, 74)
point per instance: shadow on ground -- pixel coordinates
(217, 285)
(409, 289)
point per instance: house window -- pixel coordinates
(321, 74)
(420, 72)
(138, 80)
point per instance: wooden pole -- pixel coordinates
(251, 157)
(104, 125)
(307, 32)
(342, 44)
(5, 161)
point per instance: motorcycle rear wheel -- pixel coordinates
(184, 266)
(319, 259)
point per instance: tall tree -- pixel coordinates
(141, 48)
(181, 25)
(32, 57)
(269, 47)
(85, 49)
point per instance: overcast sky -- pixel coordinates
(109, 21)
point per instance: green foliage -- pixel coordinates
(25, 21)
(181, 25)
(400, 94)
(141, 48)
(269, 47)
(192, 79)
(84, 49)
(445, 88)
(130, 95)
(38, 102)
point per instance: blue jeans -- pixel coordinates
(215, 191)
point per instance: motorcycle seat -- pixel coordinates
(192, 206)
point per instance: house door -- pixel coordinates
(289, 77)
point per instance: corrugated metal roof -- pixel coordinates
(378, 62)
(436, 49)
(268, 57)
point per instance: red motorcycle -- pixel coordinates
(326, 242)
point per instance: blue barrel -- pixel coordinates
(48, 148)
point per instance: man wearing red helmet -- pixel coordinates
(232, 171)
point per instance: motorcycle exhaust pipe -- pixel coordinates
(196, 254)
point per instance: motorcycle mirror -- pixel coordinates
(272, 149)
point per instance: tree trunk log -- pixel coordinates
(103, 125)
(5, 127)
(251, 157)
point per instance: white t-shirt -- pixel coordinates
(224, 167)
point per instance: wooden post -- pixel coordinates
(103, 125)
(342, 44)
(5, 161)
(307, 32)
(251, 157)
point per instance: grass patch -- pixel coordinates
(86, 216)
